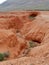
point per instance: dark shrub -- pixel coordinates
(32, 44)
(1, 57)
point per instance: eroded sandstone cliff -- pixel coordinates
(20, 29)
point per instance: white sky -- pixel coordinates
(2, 1)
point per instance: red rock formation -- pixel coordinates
(17, 29)
(11, 42)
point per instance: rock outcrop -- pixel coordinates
(17, 29)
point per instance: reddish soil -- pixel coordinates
(17, 30)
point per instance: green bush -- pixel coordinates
(32, 44)
(32, 17)
(4, 55)
(1, 57)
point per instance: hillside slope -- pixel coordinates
(24, 5)
(24, 37)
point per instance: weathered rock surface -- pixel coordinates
(17, 29)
